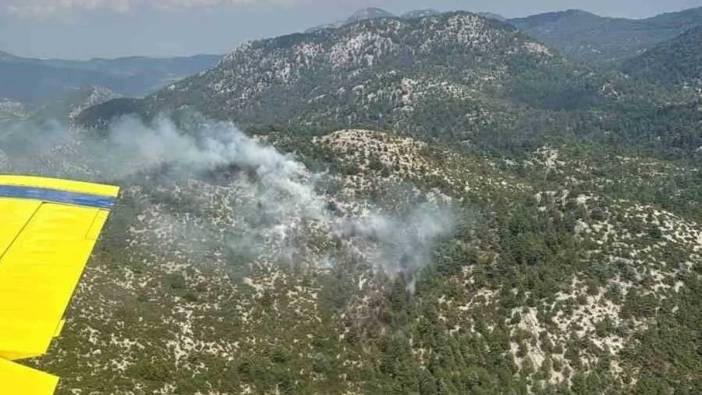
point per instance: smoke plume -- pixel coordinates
(275, 211)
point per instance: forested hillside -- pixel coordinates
(596, 40)
(675, 62)
(455, 77)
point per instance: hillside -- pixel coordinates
(34, 80)
(597, 40)
(677, 62)
(458, 78)
(365, 262)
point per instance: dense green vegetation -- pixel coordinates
(603, 41)
(513, 259)
(677, 62)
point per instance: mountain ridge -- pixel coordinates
(597, 40)
(362, 74)
(32, 80)
(374, 13)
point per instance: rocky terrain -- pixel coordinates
(457, 76)
(453, 77)
(338, 270)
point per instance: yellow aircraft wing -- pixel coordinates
(48, 228)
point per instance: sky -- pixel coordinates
(83, 29)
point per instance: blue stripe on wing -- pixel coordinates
(55, 196)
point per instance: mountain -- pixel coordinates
(32, 82)
(72, 104)
(374, 13)
(494, 16)
(35, 80)
(674, 62)
(476, 75)
(593, 39)
(420, 14)
(358, 16)
(455, 77)
(368, 13)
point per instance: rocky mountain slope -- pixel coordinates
(597, 40)
(474, 74)
(34, 80)
(455, 77)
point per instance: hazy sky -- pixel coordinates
(80, 29)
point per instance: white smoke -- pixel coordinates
(403, 244)
(274, 195)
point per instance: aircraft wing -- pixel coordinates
(48, 228)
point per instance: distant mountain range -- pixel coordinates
(579, 35)
(33, 81)
(375, 13)
(62, 109)
(593, 39)
(459, 77)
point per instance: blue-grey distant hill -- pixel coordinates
(36, 80)
(593, 39)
